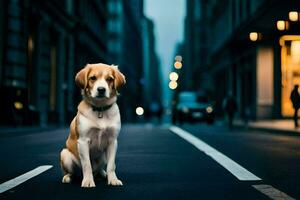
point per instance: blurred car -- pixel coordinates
(193, 107)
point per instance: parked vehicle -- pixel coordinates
(193, 107)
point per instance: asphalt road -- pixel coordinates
(155, 163)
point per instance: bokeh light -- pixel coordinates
(253, 36)
(178, 65)
(139, 110)
(293, 16)
(178, 58)
(173, 76)
(282, 25)
(173, 85)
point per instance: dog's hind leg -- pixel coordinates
(68, 163)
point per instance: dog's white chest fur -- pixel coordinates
(99, 131)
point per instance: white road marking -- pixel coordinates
(272, 192)
(22, 178)
(234, 168)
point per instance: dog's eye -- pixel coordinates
(93, 78)
(109, 79)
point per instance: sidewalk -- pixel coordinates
(282, 126)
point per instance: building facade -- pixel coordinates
(44, 44)
(131, 62)
(195, 45)
(152, 76)
(259, 70)
(35, 39)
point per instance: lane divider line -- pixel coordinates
(272, 192)
(234, 168)
(22, 178)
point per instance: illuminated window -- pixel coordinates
(295, 51)
(31, 71)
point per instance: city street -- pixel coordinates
(154, 162)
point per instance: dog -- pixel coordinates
(92, 141)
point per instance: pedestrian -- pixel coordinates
(247, 115)
(230, 107)
(295, 98)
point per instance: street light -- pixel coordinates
(294, 16)
(282, 25)
(253, 36)
(178, 58)
(173, 85)
(18, 105)
(178, 65)
(173, 76)
(139, 111)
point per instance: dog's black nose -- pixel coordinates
(101, 90)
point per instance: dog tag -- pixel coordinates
(100, 114)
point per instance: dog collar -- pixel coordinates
(101, 109)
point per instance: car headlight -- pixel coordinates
(209, 109)
(185, 110)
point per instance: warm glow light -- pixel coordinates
(139, 111)
(18, 105)
(253, 36)
(282, 25)
(30, 44)
(288, 37)
(173, 76)
(178, 65)
(290, 65)
(173, 85)
(295, 51)
(293, 16)
(209, 109)
(178, 58)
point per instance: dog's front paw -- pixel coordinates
(88, 182)
(113, 180)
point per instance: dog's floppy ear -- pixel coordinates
(119, 77)
(81, 77)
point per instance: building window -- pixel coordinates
(53, 74)
(233, 16)
(264, 74)
(32, 56)
(248, 7)
(69, 6)
(290, 74)
(31, 71)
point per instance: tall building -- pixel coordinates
(195, 43)
(259, 69)
(42, 46)
(152, 75)
(115, 30)
(131, 62)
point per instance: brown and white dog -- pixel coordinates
(92, 142)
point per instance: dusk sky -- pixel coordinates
(168, 17)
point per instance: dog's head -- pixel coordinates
(100, 81)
